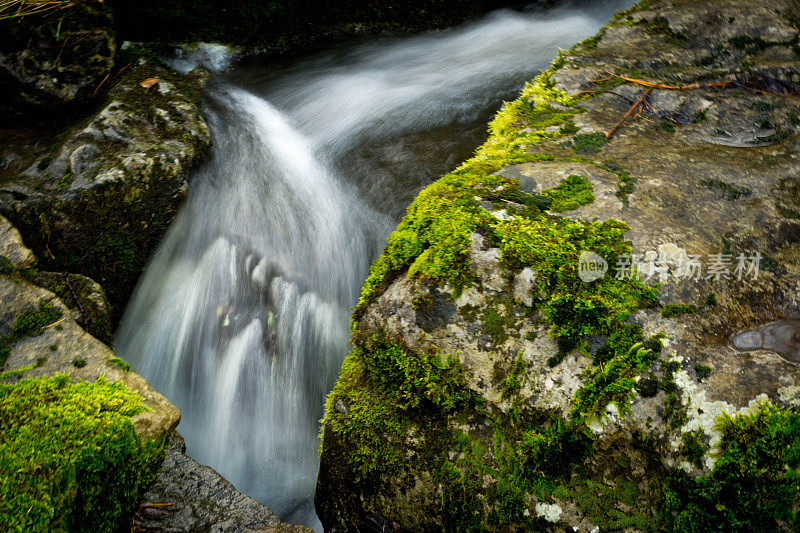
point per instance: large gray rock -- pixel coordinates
(190, 497)
(701, 171)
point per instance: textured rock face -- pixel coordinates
(100, 201)
(565, 424)
(63, 346)
(54, 58)
(190, 497)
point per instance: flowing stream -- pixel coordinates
(241, 319)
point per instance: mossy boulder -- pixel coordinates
(82, 437)
(54, 56)
(100, 200)
(509, 369)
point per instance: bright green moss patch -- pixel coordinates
(70, 459)
(570, 194)
(383, 386)
(574, 307)
(672, 310)
(754, 485)
(432, 241)
(612, 506)
(410, 377)
(118, 362)
(615, 380)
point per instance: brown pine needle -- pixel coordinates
(158, 504)
(602, 79)
(633, 107)
(100, 85)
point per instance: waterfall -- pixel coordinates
(241, 319)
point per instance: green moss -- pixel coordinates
(672, 310)
(674, 411)
(692, 448)
(65, 181)
(660, 26)
(119, 363)
(626, 184)
(731, 191)
(6, 266)
(575, 309)
(702, 371)
(511, 384)
(787, 212)
(700, 116)
(32, 322)
(711, 299)
(615, 380)
(612, 505)
(69, 456)
(421, 302)
(29, 323)
(588, 143)
(754, 484)
(79, 362)
(649, 386)
(665, 126)
(384, 387)
(570, 194)
(432, 241)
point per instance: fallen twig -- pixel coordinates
(158, 504)
(655, 85)
(100, 84)
(632, 108)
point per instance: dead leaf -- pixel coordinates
(149, 82)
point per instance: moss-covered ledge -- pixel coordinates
(81, 434)
(494, 385)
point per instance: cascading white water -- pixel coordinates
(241, 318)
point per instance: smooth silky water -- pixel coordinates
(241, 319)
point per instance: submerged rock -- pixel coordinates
(491, 386)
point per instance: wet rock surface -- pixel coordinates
(190, 497)
(99, 199)
(706, 178)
